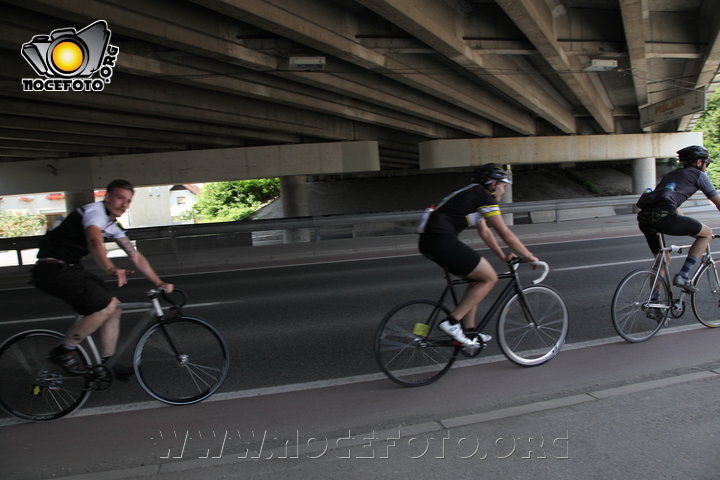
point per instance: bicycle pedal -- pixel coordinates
(472, 351)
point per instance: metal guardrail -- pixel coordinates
(173, 232)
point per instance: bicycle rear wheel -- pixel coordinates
(706, 301)
(33, 388)
(181, 361)
(641, 303)
(532, 326)
(409, 348)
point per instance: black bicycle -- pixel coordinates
(177, 360)
(532, 324)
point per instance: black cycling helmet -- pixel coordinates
(693, 152)
(490, 172)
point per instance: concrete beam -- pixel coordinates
(445, 34)
(532, 150)
(711, 61)
(535, 21)
(635, 15)
(200, 73)
(189, 131)
(164, 22)
(320, 31)
(191, 166)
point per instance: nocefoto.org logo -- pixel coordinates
(67, 59)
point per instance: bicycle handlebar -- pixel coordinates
(177, 293)
(545, 270)
(543, 265)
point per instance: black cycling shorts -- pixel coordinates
(670, 224)
(85, 292)
(449, 252)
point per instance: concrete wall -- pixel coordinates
(532, 150)
(194, 166)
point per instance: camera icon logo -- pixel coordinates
(68, 59)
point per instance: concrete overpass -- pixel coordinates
(217, 89)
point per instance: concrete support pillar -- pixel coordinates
(73, 200)
(644, 174)
(293, 192)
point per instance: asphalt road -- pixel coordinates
(316, 322)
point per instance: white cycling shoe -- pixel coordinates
(456, 332)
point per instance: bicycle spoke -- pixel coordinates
(32, 387)
(706, 301)
(527, 342)
(182, 361)
(409, 359)
(640, 305)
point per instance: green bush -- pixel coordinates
(18, 224)
(233, 201)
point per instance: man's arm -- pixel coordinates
(142, 264)
(96, 245)
(510, 238)
(487, 236)
(716, 200)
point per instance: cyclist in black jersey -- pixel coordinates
(660, 209)
(475, 205)
(58, 272)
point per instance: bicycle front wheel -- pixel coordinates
(532, 326)
(641, 303)
(181, 361)
(409, 348)
(33, 388)
(706, 300)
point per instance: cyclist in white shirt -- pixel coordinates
(58, 272)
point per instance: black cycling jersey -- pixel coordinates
(461, 209)
(679, 185)
(67, 241)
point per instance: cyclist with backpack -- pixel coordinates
(660, 209)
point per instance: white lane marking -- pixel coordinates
(333, 382)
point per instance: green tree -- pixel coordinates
(235, 200)
(17, 224)
(709, 124)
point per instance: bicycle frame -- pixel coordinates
(661, 264)
(153, 311)
(513, 286)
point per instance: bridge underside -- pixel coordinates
(200, 75)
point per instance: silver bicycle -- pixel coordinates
(644, 301)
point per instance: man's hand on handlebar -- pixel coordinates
(531, 260)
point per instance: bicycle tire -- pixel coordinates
(181, 361)
(409, 359)
(706, 300)
(631, 318)
(526, 342)
(33, 388)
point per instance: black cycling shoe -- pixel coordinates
(684, 283)
(67, 359)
